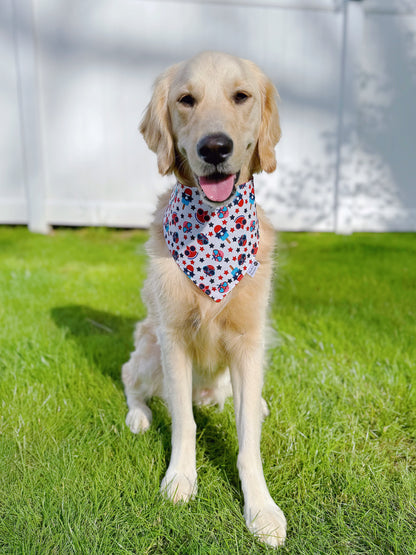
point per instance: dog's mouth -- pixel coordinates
(218, 187)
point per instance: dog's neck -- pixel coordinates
(214, 247)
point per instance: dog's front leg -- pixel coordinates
(263, 517)
(179, 483)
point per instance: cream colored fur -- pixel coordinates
(189, 346)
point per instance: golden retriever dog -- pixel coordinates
(213, 123)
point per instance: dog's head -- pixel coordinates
(213, 122)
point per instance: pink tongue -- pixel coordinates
(215, 190)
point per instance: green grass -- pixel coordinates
(339, 447)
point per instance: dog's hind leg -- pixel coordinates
(142, 377)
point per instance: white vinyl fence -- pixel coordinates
(76, 76)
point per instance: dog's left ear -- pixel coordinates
(264, 158)
(156, 126)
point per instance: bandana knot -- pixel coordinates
(214, 247)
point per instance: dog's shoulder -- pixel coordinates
(156, 242)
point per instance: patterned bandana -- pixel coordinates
(214, 247)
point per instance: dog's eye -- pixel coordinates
(187, 100)
(240, 97)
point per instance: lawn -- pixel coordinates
(339, 446)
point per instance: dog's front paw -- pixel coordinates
(139, 419)
(268, 524)
(178, 487)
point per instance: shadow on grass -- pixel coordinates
(217, 445)
(219, 442)
(105, 339)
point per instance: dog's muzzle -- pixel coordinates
(215, 149)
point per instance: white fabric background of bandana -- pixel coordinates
(215, 248)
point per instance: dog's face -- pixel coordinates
(213, 121)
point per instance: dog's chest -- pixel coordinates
(211, 333)
(204, 334)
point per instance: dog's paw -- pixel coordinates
(267, 524)
(139, 419)
(178, 487)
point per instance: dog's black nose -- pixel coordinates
(215, 148)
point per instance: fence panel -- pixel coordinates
(378, 184)
(13, 205)
(77, 76)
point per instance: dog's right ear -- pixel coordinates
(156, 126)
